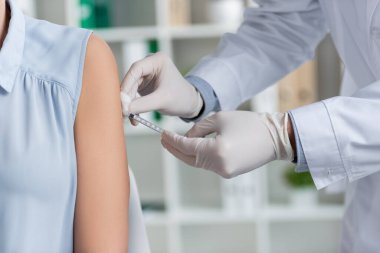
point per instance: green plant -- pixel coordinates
(298, 180)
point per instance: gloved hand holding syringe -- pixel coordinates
(242, 141)
(126, 100)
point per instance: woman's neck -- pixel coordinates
(4, 21)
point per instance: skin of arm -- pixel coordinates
(101, 212)
(4, 21)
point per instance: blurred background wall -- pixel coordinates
(188, 210)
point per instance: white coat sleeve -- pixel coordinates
(273, 40)
(341, 136)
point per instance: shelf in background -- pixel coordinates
(211, 216)
(201, 31)
(272, 213)
(154, 218)
(122, 34)
(289, 213)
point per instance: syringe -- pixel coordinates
(145, 122)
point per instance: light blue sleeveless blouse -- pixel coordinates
(41, 67)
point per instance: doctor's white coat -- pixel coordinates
(340, 136)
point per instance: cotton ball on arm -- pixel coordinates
(125, 100)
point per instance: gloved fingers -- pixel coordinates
(187, 146)
(188, 159)
(202, 128)
(125, 102)
(146, 103)
(131, 81)
(140, 69)
(203, 155)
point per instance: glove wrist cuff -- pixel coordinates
(277, 124)
(198, 105)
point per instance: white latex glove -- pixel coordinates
(244, 141)
(154, 83)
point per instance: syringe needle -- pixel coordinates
(145, 122)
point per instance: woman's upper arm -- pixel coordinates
(101, 213)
